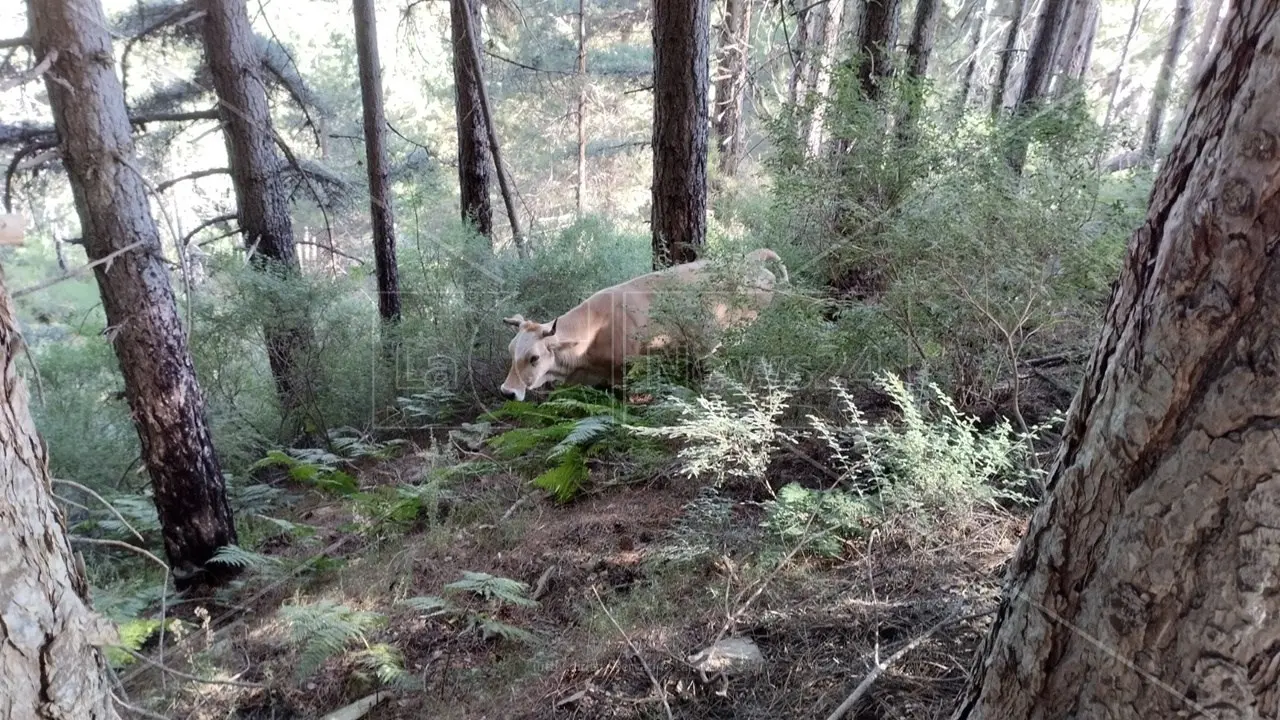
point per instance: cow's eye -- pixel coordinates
(533, 359)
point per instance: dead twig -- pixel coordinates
(78, 271)
(109, 506)
(880, 667)
(41, 68)
(135, 709)
(662, 693)
(122, 545)
(185, 676)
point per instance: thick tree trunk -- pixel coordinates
(1075, 47)
(580, 186)
(804, 16)
(375, 153)
(1004, 68)
(971, 64)
(826, 19)
(877, 33)
(1147, 583)
(1204, 43)
(1164, 81)
(475, 156)
(144, 325)
(731, 85)
(680, 68)
(256, 174)
(50, 667)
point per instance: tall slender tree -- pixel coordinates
(826, 20)
(1075, 46)
(144, 324)
(1004, 68)
(1037, 74)
(1146, 585)
(50, 667)
(976, 28)
(580, 182)
(923, 29)
(681, 63)
(731, 84)
(1208, 31)
(262, 204)
(1164, 81)
(475, 154)
(375, 152)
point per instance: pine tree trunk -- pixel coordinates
(1147, 584)
(50, 668)
(877, 34)
(475, 156)
(731, 85)
(799, 47)
(262, 202)
(1005, 67)
(971, 64)
(826, 23)
(580, 186)
(375, 152)
(1164, 81)
(144, 325)
(919, 48)
(680, 68)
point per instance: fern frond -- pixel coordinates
(491, 587)
(567, 477)
(324, 629)
(238, 557)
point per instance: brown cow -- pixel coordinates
(591, 344)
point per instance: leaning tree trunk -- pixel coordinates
(261, 198)
(877, 33)
(827, 26)
(475, 156)
(1164, 81)
(50, 667)
(731, 85)
(1204, 43)
(971, 63)
(1004, 68)
(375, 151)
(144, 325)
(1147, 583)
(680, 67)
(1037, 75)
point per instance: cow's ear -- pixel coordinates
(549, 330)
(514, 320)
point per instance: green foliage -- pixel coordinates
(492, 593)
(311, 467)
(821, 521)
(555, 438)
(324, 629)
(497, 590)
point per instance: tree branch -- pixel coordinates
(10, 43)
(15, 163)
(26, 132)
(186, 239)
(161, 187)
(78, 271)
(41, 68)
(519, 64)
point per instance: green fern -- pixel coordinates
(430, 605)
(490, 628)
(493, 588)
(324, 629)
(312, 467)
(386, 662)
(565, 479)
(238, 557)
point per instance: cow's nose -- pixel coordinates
(507, 392)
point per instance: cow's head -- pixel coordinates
(533, 357)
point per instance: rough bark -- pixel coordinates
(1147, 583)
(475, 156)
(971, 64)
(144, 325)
(680, 68)
(1164, 81)
(262, 203)
(826, 19)
(1204, 43)
(580, 186)
(731, 85)
(375, 152)
(50, 667)
(1075, 47)
(1005, 67)
(877, 34)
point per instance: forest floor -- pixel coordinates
(614, 625)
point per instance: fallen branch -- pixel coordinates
(662, 694)
(78, 271)
(883, 665)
